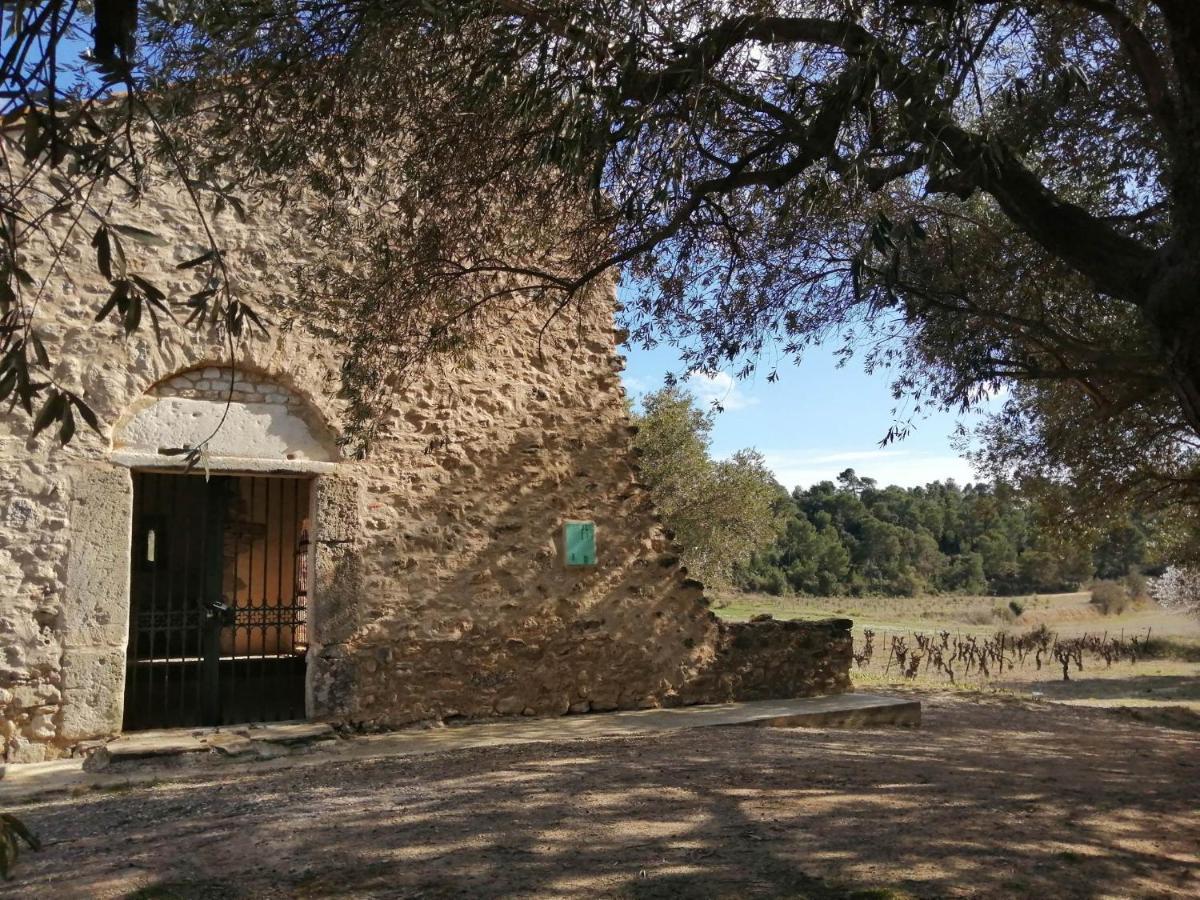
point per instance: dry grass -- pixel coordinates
(975, 613)
(1163, 684)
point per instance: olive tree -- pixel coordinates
(972, 193)
(720, 511)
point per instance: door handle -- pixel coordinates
(219, 609)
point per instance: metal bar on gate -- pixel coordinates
(154, 610)
(183, 574)
(244, 673)
(242, 601)
(283, 546)
(234, 688)
(262, 608)
(254, 706)
(214, 581)
(268, 484)
(300, 558)
(198, 605)
(135, 613)
(293, 600)
(170, 608)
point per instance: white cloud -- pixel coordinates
(635, 386)
(721, 388)
(886, 465)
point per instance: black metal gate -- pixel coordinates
(217, 625)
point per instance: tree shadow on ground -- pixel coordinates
(990, 799)
(1133, 687)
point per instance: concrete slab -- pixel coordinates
(22, 783)
(906, 714)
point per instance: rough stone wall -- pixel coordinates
(769, 660)
(438, 584)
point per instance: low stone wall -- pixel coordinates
(773, 660)
(579, 669)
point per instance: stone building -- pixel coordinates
(493, 555)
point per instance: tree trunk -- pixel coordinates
(1172, 309)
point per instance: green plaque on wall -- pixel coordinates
(579, 543)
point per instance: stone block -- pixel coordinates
(21, 750)
(338, 509)
(93, 693)
(228, 744)
(290, 732)
(336, 601)
(139, 747)
(96, 595)
(510, 706)
(248, 430)
(28, 696)
(330, 684)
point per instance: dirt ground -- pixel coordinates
(991, 797)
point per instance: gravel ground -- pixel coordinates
(989, 798)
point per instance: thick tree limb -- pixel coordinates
(1118, 265)
(1182, 18)
(1147, 65)
(815, 144)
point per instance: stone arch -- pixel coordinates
(267, 426)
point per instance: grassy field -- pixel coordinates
(1163, 680)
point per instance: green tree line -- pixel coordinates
(855, 537)
(736, 525)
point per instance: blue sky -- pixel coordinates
(815, 421)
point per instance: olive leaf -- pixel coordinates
(12, 833)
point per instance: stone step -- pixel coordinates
(237, 740)
(150, 745)
(288, 732)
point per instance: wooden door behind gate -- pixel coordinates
(218, 594)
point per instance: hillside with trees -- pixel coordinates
(856, 537)
(737, 526)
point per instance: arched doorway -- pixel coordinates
(220, 561)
